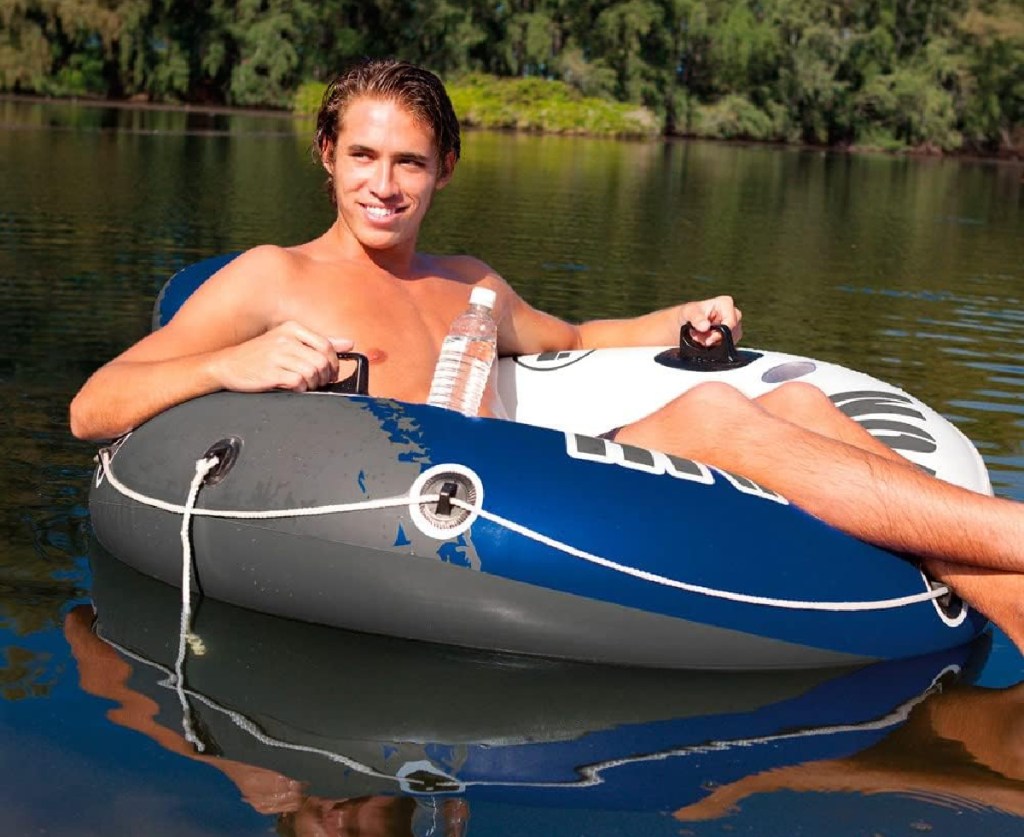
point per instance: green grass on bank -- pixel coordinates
(526, 104)
(535, 104)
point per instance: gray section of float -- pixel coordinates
(337, 584)
(442, 603)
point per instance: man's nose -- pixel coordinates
(383, 180)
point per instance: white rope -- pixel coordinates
(743, 598)
(185, 635)
(266, 514)
(644, 575)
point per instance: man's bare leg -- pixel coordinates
(869, 496)
(807, 406)
(999, 595)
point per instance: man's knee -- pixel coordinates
(710, 399)
(796, 398)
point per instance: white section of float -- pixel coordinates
(593, 391)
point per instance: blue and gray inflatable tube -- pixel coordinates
(533, 535)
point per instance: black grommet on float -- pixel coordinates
(950, 604)
(226, 451)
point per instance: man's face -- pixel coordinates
(386, 169)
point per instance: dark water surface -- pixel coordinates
(912, 270)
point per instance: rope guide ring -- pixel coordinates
(460, 495)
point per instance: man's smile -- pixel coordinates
(381, 213)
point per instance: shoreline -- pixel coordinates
(1013, 159)
(130, 104)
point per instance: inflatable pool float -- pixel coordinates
(349, 715)
(532, 536)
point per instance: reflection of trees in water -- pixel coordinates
(25, 673)
(44, 477)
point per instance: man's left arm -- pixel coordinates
(661, 328)
(525, 330)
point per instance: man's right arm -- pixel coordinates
(226, 336)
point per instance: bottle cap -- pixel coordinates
(482, 296)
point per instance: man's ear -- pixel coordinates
(446, 170)
(327, 156)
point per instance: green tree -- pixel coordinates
(334, 38)
(915, 103)
(445, 36)
(267, 36)
(993, 109)
(528, 45)
(684, 49)
(811, 88)
(621, 32)
(25, 49)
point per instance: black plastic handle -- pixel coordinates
(694, 357)
(358, 382)
(724, 351)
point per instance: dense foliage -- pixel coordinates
(932, 74)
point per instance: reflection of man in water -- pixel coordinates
(274, 318)
(104, 673)
(963, 742)
(964, 746)
(387, 816)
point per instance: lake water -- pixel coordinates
(910, 269)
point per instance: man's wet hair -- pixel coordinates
(418, 90)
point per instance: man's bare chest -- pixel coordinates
(399, 329)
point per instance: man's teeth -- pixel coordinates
(379, 212)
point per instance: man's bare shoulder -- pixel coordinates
(464, 268)
(249, 285)
(268, 260)
(268, 268)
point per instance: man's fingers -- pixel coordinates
(313, 368)
(325, 350)
(311, 338)
(705, 315)
(290, 357)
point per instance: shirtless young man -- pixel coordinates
(388, 139)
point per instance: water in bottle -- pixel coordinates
(467, 355)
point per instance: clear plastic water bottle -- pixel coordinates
(467, 355)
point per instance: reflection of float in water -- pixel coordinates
(349, 715)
